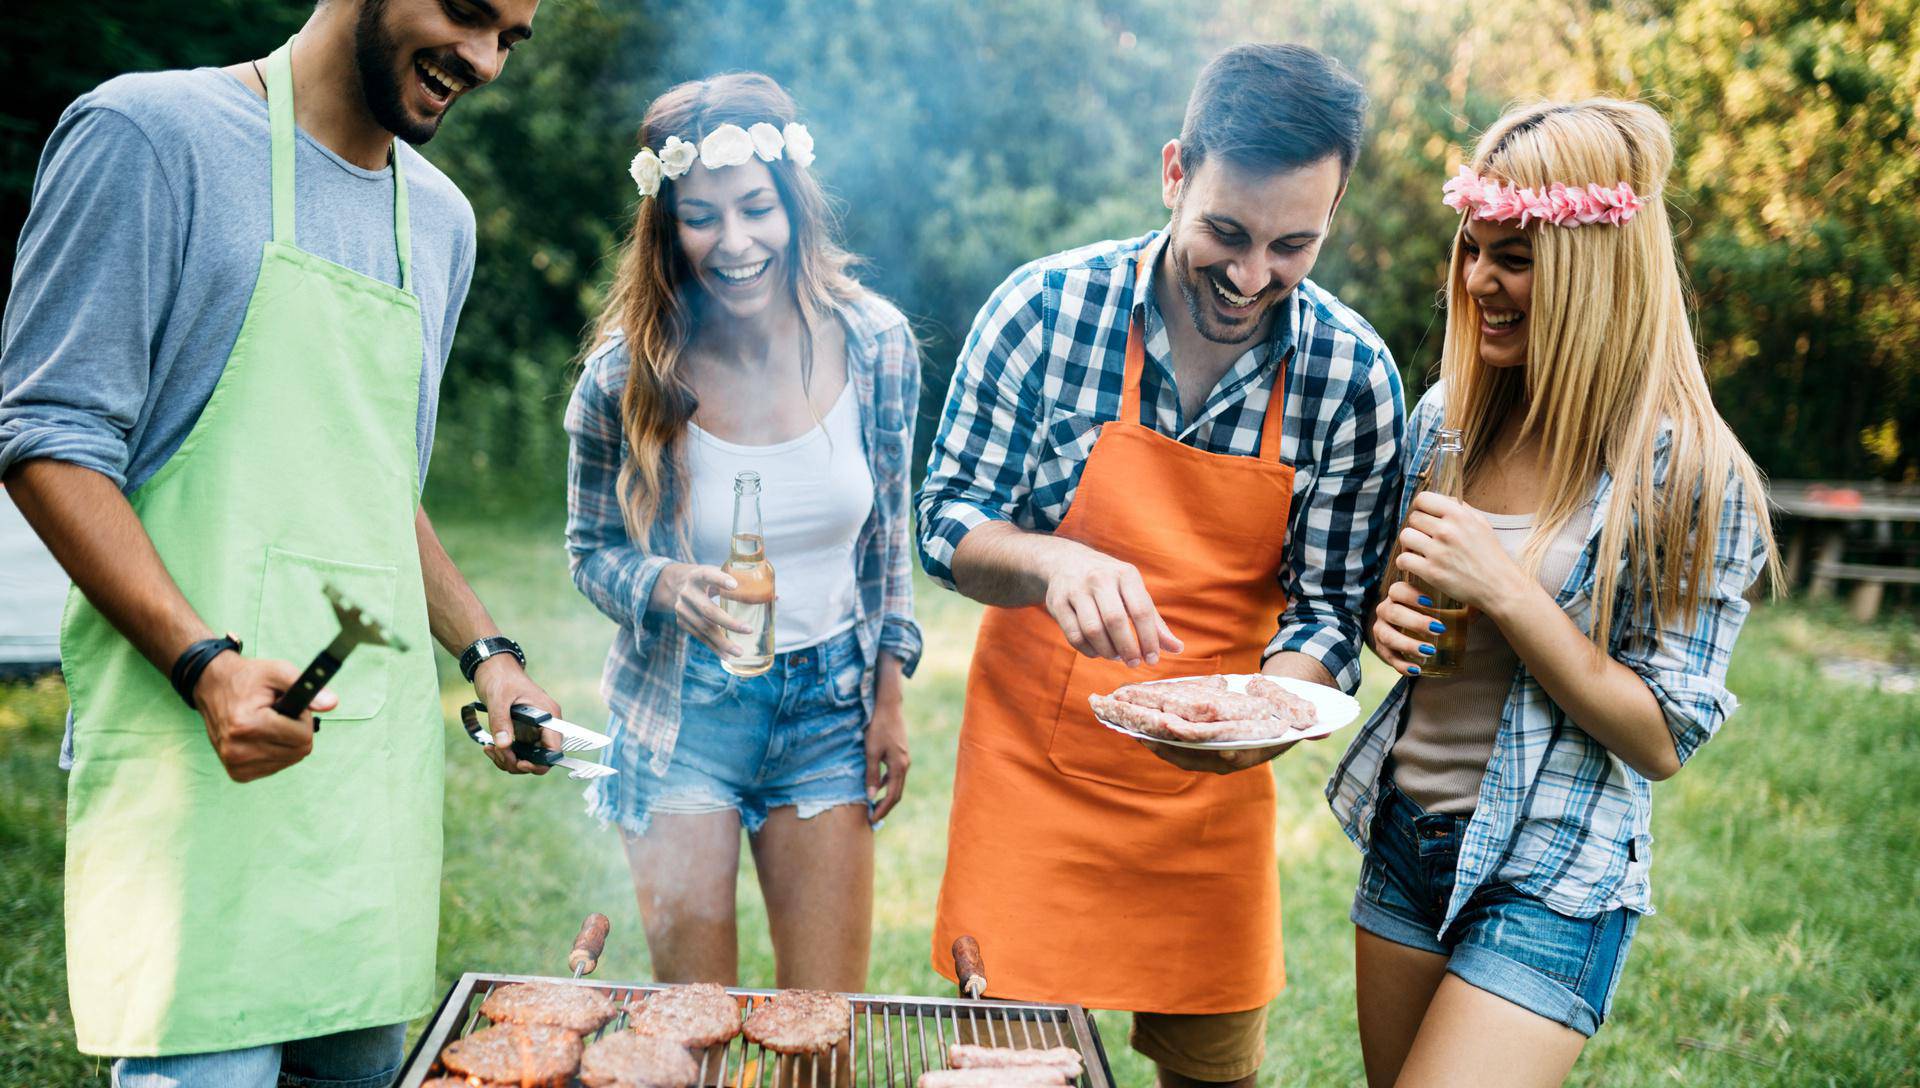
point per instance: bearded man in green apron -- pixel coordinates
(231, 307)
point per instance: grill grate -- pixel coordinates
(891, 1040)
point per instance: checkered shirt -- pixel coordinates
(1044, 366)
(1560, 817)
(641, 681)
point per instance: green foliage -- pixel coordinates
(967, 139)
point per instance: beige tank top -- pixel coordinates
(1442, 755)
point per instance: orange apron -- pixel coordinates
(1090, 870)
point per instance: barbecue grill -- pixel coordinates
(890, 1041)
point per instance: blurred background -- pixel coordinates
(965, 139)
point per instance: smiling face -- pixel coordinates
(734, 231)
(416, 56)
(1496, 267)
(1241, 241)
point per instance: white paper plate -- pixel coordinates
(1333, 710)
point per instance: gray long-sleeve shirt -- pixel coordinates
(150, 207)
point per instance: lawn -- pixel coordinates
(1788, 875)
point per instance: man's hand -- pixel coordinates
(1103, 608)
(235, 696)
(1215, 762)
(502, 684)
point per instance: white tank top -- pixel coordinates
(816, 493)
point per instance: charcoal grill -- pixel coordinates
(891, 1040)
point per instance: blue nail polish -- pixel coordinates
(1426, 649)
(1426, 602)
(1413, 670)
(1437, 627)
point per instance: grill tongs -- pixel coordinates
(528, 721)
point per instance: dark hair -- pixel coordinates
(1273, 108)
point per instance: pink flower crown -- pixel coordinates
(1561, 205)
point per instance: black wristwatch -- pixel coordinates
(472, 656)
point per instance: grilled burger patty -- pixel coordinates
(579, 1009)
(523, 1055)
(800, 1022)
(696, 1016)
(626, 1060)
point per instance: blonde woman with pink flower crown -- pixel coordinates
(738, 370)
(1603, 537)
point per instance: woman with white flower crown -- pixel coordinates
(733, 340)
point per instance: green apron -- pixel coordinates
(207, 915)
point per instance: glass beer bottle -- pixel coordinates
(752, 602)
(1445, 475)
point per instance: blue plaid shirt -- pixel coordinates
(1043, 368)
(1560, 817)
(641, 681)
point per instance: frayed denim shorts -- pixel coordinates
(794, 735)
(1504, 941)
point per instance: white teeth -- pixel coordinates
(445, 77)
(1236, 301)
(1501, 321)
(742, 273)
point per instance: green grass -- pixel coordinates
(1788, 871)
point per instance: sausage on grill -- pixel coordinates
(968, 1056)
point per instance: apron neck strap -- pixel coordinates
(280, 118)
(1276, 416)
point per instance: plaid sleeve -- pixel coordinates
(1340, 534)
(1685, 664)
(608, 569)
(980, 468)
(899, 633)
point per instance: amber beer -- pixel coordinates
(752, 602)
(1446, 475)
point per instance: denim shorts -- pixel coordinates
(363, 1058)
(794, 735)
(1504, 942)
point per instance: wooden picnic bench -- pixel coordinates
(1828, 512)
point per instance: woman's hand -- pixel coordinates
(692, 591)
(887, 759)
(1450, 547)
(1402, 635)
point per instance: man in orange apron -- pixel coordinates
(1165, 456)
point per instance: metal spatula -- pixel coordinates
(356, 629)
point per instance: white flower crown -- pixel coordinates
(728, 145)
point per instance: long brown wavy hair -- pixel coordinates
(656, 303)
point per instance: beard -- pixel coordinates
(1196, 286)
(376, 56)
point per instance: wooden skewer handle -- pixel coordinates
(969, 967)
(588, 945)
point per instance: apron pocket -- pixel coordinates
(1080, 747)
(296, 622)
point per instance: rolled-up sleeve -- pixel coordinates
(93, 279)
(609, 569)
(899, 632)
(981, 466)
(1685, 663)
(1344, 522)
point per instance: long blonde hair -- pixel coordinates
(655, 303)
(1611, 361)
